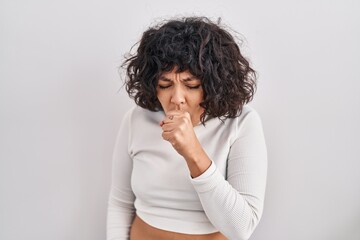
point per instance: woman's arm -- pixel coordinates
(121, 209)
(235, 206)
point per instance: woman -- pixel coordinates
(190, 160)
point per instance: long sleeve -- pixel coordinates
(235, 205)
(121, 209)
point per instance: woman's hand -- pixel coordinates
(179, 131)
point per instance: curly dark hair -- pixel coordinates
(207, 51)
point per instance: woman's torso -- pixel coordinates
(172, 177)
(140, 230)
(160, 178)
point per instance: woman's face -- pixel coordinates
(180, 91)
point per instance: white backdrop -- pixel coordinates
(60, 110)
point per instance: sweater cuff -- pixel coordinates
(207, 180)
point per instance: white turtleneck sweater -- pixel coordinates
(151, 178)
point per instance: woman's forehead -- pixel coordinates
(184, 79)
(184, 76)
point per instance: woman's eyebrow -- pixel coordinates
(188, 79)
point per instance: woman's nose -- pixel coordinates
(178, 96)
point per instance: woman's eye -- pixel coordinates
(190, 87)
(163, 87)
(194, 87)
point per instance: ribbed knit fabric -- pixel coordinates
(151, 178)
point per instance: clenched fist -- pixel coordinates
(179, 131)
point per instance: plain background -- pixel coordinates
(61, 109)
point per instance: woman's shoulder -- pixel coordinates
(247, 118)
(246, 112)
(247, 109)
(249, 121)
